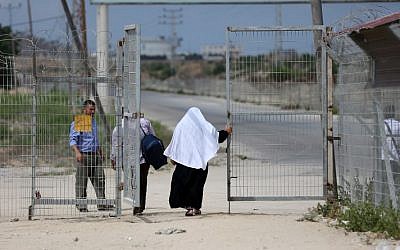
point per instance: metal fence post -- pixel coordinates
(228, 119)
(324, 116)
(119, 110)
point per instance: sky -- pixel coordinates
(201, 24)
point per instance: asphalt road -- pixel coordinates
(280, 137)
(169, 108)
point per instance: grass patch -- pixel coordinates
(54, 115)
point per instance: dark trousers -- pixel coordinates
(89, 168)
(144, 172)
(187, 187)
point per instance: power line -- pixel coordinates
(172, 18)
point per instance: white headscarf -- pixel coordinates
(194, 142)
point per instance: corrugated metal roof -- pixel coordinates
(386, 20)
(379, 22)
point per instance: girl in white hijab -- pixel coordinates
(194, 143)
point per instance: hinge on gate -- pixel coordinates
(333, 138)
(130, 115)
(133, 115)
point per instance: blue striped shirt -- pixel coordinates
(85, 141)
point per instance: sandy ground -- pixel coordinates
(250, 225)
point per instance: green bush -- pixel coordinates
(159, 70)
(364, 216)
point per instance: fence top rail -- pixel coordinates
(181, 2)
(276, 28)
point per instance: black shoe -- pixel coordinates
(138, 211)
(105, 207)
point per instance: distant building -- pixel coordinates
(217, 52)
(156, 48)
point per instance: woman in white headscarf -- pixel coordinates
(194, 143)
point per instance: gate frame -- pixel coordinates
(321, 31)
(134, 114)
(54, 201)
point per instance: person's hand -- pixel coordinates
(113, 164)
(78, 156)
(228, 129)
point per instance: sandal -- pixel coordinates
(189, 212)
(197, 211)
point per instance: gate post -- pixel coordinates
(119, 117)
(324, 116)
(228, 117)
(331, 184)
(31, 209)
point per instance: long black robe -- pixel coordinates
(187, 183)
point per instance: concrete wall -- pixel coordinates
(286, 95)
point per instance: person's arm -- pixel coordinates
(223, 134)
(100, 152)
(114, 144)
(96, 140)
(73, 142)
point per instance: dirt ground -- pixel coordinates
(250, 225)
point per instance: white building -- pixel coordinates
(158, 47)
(217, 52)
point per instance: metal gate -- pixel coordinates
(276, 101)
(131, 114)
(41, 94)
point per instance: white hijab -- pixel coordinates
(194, 142)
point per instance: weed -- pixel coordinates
(363, 215)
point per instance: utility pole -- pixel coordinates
(79, 19)
(10, 7)
(172, 17)
(93, 88)
(278, 20)
(83, 26)
(317, 19)
(32, 39)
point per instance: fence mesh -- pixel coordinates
(38, 167)
(275, 107)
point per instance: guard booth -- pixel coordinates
(367, 94)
